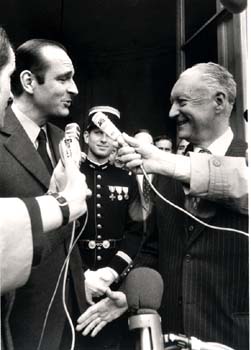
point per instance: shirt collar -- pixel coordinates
(220, 146)
(30, 127)
(96, 165)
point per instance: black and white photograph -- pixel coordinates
(124, 175)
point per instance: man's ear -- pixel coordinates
(27, 81)
(86, 137)
(220, 99)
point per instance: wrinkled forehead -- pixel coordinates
(190, 83)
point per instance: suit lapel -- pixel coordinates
(20, 146)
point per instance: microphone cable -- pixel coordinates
(65, 268)
(186, 212)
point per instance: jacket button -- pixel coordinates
(99, 237)
(98, 205)
(190, 228)
(99, 177)
(216, 162)
(188, 258)
(98, 187)
(99, 215)
(99, 226)
(98, 195)
(99, 258)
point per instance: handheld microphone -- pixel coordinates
(69, 147)
(144, 289)
(105, 124)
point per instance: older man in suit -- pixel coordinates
(205, 270)
(43, 86)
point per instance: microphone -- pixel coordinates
(106, 125)
(144, 289)
(69, 147)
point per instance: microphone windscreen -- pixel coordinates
(143, 289)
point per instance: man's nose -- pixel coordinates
(104, 137)
(174, 111)
(73, 88)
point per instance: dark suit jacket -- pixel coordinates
(23, 174)
(205, 271)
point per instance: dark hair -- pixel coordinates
(5, 48)
(29, 57)
(162, 137)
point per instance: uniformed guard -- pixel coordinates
(113, 233)
(114, 230)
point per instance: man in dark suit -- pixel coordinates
(205, 270)
(43, 86)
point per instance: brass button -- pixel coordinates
(188, 258)
(99, 237)
(99, 258)
(216, 162)
(98, 186)
(99, 177)
(98, 205)
(190, 228)
(98, 195)
(99, 215)
(99, 226)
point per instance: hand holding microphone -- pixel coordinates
(131, 152)
(67, 179)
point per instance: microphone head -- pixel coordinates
(72, 130)
(143, 289)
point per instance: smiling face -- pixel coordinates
(5, 92)
(193, 107)
(54, 96)
(100, 146)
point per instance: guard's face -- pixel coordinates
(100, 145)
(5, 92)
(54, 97)
(193, 107)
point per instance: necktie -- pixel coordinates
(146, 191)
(42, 150)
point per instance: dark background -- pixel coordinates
(124, 52)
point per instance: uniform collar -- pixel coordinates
(97, 166)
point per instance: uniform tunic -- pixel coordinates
(113, 233)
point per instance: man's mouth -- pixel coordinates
(67, 103)
(182, 121)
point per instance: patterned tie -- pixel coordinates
(192, 204)
(146, 191)
(42, 150)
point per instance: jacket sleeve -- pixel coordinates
(16, 240)
(222, 179)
